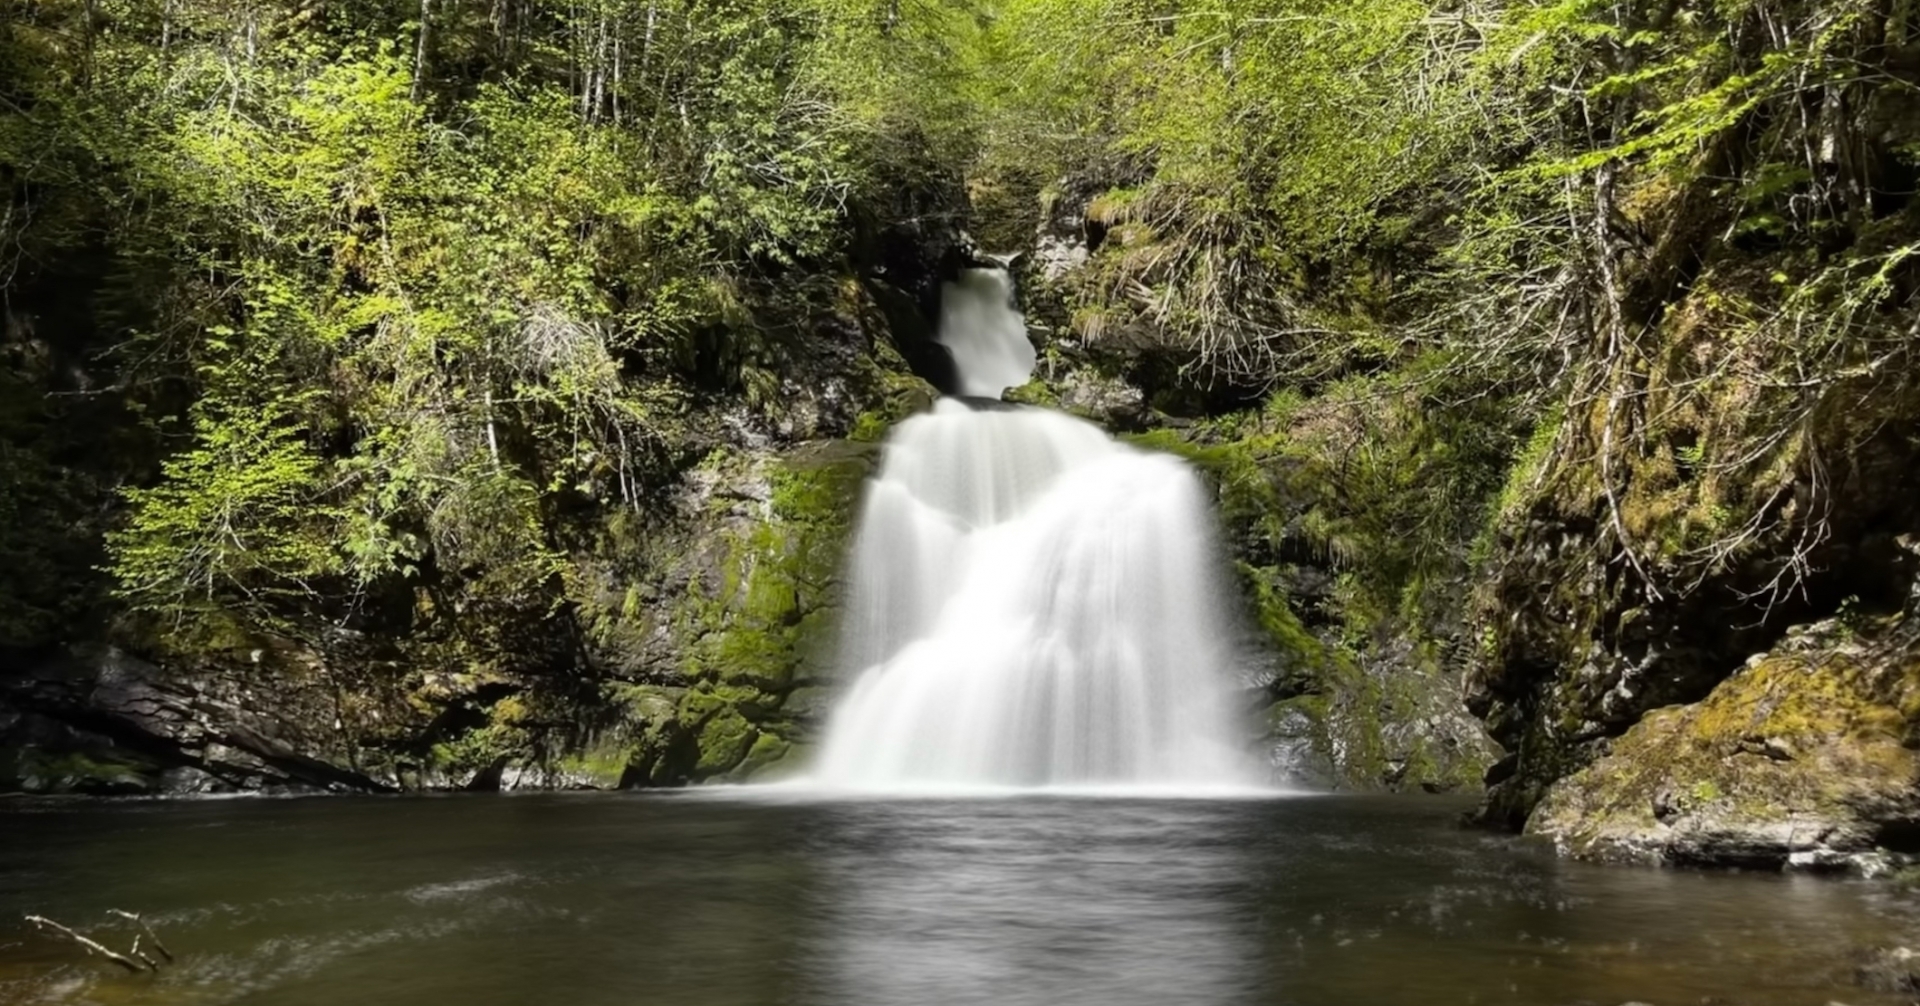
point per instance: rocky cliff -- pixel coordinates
(688, 643)
(695, 638)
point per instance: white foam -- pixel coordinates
(985, 335)
(1033, 605)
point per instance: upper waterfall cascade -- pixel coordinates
(985, 334)
(1033, 604)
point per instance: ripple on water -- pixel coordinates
(776, 897)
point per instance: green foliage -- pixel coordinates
(1264, 166)
(387, 312)
(1370, 478)
(502, 737)
(240, 519)
(399, 291)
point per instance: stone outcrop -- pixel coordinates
(96, 720)
(703, 659)
(1582, 674)
(1803, 758)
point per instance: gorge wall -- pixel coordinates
(686, 645)
(695, 638)
(477, 395)
(1731, 725)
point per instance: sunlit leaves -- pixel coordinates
(241, 518)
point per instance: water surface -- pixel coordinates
(708, 900)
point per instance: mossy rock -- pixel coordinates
(740, 611)
(765, 616)
(725, 740)
(769, 754)
(91, 773)
(475, 758)
(1297, 742)
(1802, 754)
(810, 703)
(645, 704)
(608, 763)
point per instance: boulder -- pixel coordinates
(1799, 760)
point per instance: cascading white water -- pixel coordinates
(1033, 604)
(985, 336)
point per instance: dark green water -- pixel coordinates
(705, 900)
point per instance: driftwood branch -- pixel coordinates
(135, 960)
(91, 946)
(152, 965)
(152, 937)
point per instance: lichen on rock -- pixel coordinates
(1801, 758)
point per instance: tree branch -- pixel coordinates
(152, 937)
(91, 946)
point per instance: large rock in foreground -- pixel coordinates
(1804, 758)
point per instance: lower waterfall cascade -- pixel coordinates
(1032, 604)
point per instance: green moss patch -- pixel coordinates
(1804, 747)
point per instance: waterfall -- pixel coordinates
(1032, 603)
(986, 337)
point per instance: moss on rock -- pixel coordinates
(768, 753)
(1802, 753)
(725, 739)
(1350, 706)
(96, 773)
(755, 620)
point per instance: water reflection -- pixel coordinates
(1012, 902)
(718, 901)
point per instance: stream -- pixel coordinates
(757, 897)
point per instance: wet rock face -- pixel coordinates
(704, 624)
(903, 268)
(1575, 652)
(1890, 969)
(98, 721)
(1801, 759)
(717, 672)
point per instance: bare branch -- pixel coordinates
(152, 937)
(91, 946)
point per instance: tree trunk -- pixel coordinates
(420, 49)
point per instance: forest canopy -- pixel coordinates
(367, 292)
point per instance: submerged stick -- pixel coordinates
(152, 937)
(91, 946)
(152, 965)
